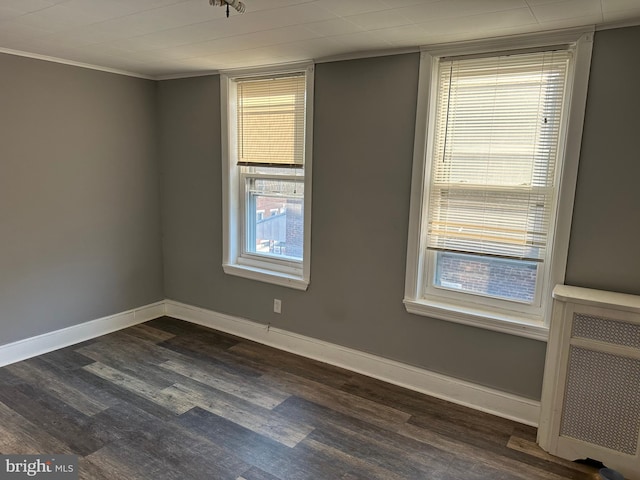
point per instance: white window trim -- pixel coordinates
(522, 324)
(232, 262)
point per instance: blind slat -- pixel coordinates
(496, 141)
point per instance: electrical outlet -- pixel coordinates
(277, 305)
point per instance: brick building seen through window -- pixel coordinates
(279, 226)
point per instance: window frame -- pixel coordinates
(235, 259)
(421, 297)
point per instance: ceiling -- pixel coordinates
(165, 38)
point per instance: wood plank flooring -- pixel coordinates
(172, 400)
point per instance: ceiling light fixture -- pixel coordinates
(237, 4)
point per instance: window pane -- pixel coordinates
(275, 218)
(492, 277)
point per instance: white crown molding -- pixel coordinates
(270, 68)
(73, 63)
(47, 342)
(509, 42)
(367, 54)
(471, 395)
(332, 58)
(177, 76)
(633, 22)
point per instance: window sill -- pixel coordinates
(266, 276)
(489, 320)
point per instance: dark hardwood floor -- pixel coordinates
(172, 400)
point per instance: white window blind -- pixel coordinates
(498, 122)
(271, 121)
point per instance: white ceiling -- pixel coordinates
(163, 38)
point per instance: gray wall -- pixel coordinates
(605, 233)
(79, 211)
(79, 196)
(189, 133)
(363, 144)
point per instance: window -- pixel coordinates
(497, 144)
(267, 161)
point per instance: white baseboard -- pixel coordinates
(481, 398)
(47, 342)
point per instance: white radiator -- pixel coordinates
(591, 389)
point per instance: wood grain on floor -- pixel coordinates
(171, 400)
